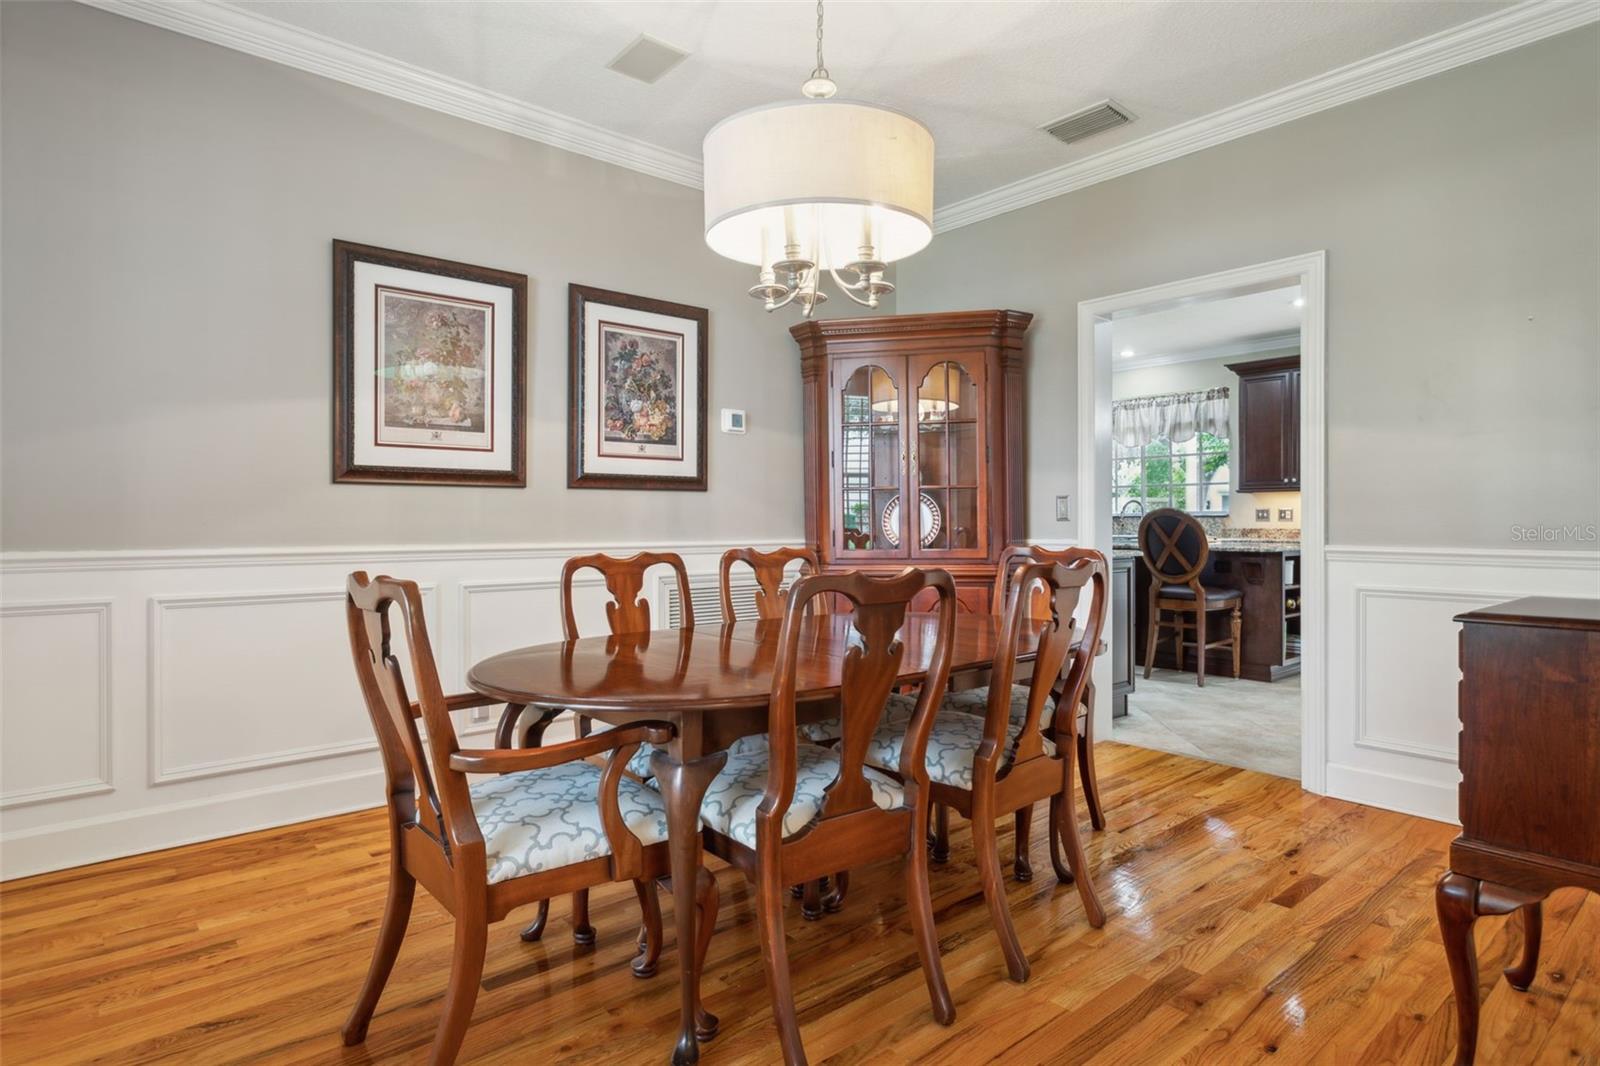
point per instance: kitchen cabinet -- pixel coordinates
(1268, 449)
(1122, 631)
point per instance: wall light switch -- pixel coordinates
(732, 420)
(1063, 508)
(1286, 514)
(1263, 514)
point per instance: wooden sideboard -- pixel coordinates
(1530, 780)
(913, 442)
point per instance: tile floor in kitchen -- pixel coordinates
(1250, 724)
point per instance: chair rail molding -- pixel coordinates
(168, 697)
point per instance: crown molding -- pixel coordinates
(1480, 38)
(267, 38)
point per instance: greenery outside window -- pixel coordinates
(1192, 476)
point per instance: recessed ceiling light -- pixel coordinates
(1299, 301)
(1127, 353)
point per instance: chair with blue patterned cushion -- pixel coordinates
(989, 767)
(626, 612)
(976, 701)
(770, 598)
(547, 822)
(796, 811)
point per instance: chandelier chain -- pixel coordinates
(821, 71)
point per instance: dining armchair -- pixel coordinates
(792, 811)
(627, 611)
(545, 822)
(976, 701)
(770, 599)
(995, 765)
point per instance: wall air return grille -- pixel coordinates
(1086, 123)
(707, 596)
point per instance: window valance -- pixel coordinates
(1177, 417)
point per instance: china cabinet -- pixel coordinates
(913, 442)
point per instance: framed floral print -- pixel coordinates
(637, 376)
(429, 370)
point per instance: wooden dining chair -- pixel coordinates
(795, 811)
(1175, 549)
(990, 767)
(547, 822)
(771, 598)
(627, 611)
(976, 701)
(769, 569)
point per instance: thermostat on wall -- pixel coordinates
(732, 421)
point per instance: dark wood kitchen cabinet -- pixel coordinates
(1268, 448)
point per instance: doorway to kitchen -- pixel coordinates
(1201, 401)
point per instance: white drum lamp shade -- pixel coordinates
(833, 177)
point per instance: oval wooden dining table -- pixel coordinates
(711, 683)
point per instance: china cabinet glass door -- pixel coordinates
(948, 458)
(869, 459)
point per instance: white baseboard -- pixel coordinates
(1395, 792)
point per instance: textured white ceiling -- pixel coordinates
(1203, 328)
(982, 76)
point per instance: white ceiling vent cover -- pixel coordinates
(646, 59)
(1091, 120)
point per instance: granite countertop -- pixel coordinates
(1225, 544)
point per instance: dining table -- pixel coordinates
(711, 684)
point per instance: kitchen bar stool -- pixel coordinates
(1174, 547)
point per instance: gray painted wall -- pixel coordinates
(169, 205)
(167, 216)
(1461, 216)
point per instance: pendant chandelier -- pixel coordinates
(818, 185)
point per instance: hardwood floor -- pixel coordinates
(1246, 922)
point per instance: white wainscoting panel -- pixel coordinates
(1394, 666)
(158, 698)
(55, 687)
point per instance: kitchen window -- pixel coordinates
(1192, 476)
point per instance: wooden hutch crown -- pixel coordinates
(914, 442)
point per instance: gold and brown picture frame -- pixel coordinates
(429, 370)
(637, 381)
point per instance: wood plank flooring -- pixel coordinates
(1247, 922)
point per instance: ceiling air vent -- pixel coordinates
(1086, 123)
(647, 59)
